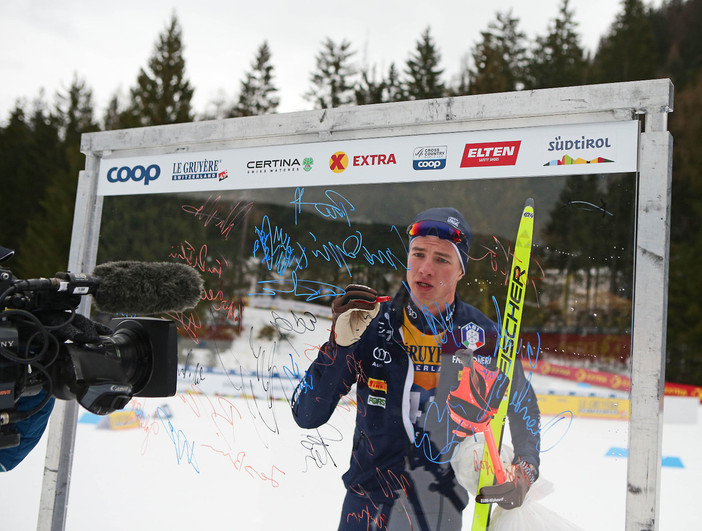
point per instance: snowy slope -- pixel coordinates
(239, 461)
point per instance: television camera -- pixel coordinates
(45, 345)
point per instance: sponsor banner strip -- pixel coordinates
(573, 149)
(605, 379)
(584, 406)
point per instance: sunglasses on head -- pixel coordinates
(435, 228)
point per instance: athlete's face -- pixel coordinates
(433, 272)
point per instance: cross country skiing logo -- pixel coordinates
(429, 158)
(473, 336)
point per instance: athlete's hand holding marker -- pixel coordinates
(353, 311)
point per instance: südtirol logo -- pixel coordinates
(578, 144)
(338, 162)
(490, 154)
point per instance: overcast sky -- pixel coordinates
(45, 43)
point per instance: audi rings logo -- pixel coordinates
(381, 355)
(136, 174)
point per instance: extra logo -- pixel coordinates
(339, 161)
(136, 174)
(490, 154)
(473, 336)
(429, 158)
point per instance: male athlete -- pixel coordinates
(399, 475)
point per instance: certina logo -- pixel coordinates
(339, 161)
(274, 165)
(429, 158)
(193, 170)
(137, 174)
(490, 154)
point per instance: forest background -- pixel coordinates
(40, 140)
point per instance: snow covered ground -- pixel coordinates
(240, 462)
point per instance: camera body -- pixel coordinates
(45, 345)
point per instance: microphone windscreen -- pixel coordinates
(145, 288)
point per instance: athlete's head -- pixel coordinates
(438, 254)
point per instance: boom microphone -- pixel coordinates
(146, 288)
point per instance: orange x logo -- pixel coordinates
(338, 162)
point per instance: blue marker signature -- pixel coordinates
(338, 207)
(183, 448)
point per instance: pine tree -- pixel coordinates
(47, 239)
(162, 94)
(423, 72)
(628, 52)
(111, 119)
(369, 89)
(16, 179)
(557, 59)
(393, 85)
(498, 59)
(257, 93)
(684, 362)
(333, 79)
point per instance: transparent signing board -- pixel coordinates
(278, 230)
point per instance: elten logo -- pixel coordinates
(490, 154)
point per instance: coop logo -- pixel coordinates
(136, 174)
(339, 161)
(429, 158)
(273, 165)
(195, 170)
(473, 336)
(490, 154)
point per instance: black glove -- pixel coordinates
(511, 493)
(476, 400)
(352, 312)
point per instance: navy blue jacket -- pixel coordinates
(385, 436)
